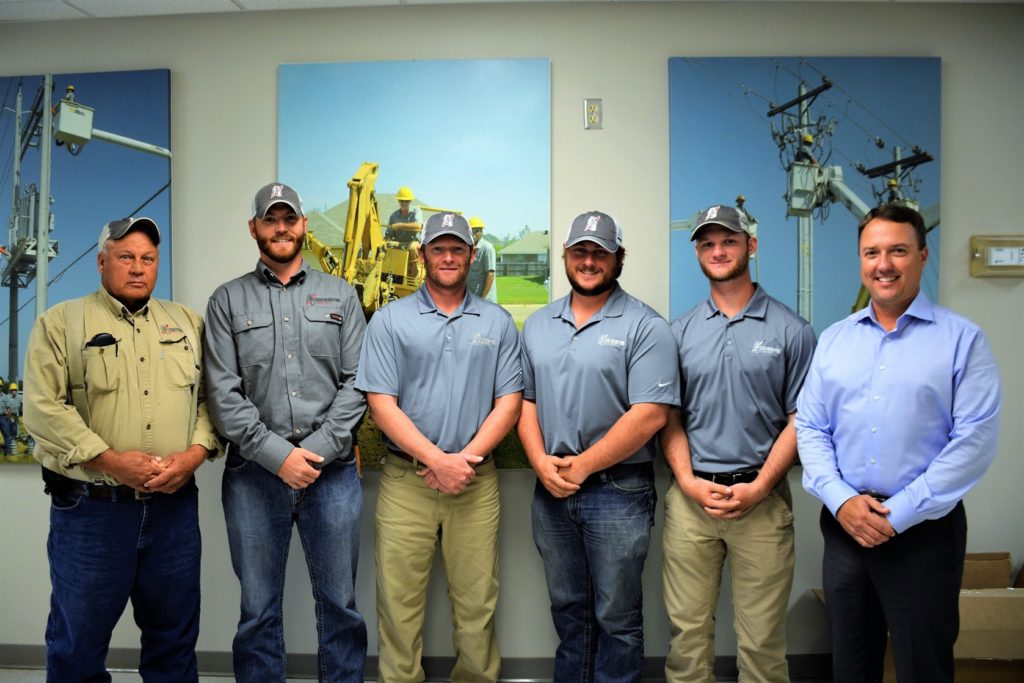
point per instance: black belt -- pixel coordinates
(408, 458)
(880, 498)
(729, 478)
(66, 486)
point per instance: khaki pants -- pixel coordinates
(759, 550)
(411, 519)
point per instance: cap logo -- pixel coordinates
(712, 213)
(592, 222)
(277, 191)
(448, 220)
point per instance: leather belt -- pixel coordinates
(729, 478)
(122, 493)
(408, 458)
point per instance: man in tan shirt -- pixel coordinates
(113, 397)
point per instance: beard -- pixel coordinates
(601, 287)
(736, 271)
(446, 280)
(279, 252)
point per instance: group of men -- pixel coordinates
(895, 415)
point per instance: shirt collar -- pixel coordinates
(612, 308)
(470, 305)
(118, 309)
(920, 308)
(267, 275)
(757, 306)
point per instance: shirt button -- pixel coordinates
(294, 393)
(298, 431)
(876, 397)
(728, 341)
(874, 429)
(872, 461)
(881, 367)
(142, 359)
(139, 330)
(289, 355)
(248, 322)
(286, 318)
(145, 392)
(149, 426)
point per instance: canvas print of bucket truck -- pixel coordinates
(805, 146)
(76, 151)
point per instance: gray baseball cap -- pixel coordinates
(727, 217)
(447, 224)
(275, 193)
(115, 230)
(597, 227)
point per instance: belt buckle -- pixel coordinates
(142, 495)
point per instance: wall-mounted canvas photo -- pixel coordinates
(804, 146)
(108, 158)
(375, 148)
(470, 136)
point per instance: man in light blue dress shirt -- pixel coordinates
(896, 422)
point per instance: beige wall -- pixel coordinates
(224, 84)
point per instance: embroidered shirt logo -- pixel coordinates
(592, 222)
(605, 340)
(478, 338)
(314, 300)
(761, 347)
(170, 329)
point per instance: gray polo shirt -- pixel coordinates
(445, 370)
(280, 364)
(584, 380)
(740, 379)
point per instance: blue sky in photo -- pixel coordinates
(721, 147)
(473, 135)
(104, 182)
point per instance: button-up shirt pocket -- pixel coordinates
(178, 363)
(323, 331)
(254, 338)
(102, 369)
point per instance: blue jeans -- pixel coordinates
(9, 429)
(594, 544)
(104, 553)
(260, 510)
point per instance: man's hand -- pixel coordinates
(549, 472)
(178, 469)
(451, 473)
(724, 502)
(133, 468)
(296, 470)
(864, 518)
(574, 471)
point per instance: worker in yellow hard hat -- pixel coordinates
(481, 271)
(10, 408)
(405, 223)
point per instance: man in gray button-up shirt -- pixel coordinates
(283, 344)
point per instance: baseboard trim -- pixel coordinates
(513, 669)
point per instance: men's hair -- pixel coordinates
(897, 213)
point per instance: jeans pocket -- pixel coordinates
(66, 501)
(234, 462)
(632, 480)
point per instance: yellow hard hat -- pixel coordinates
(475, 222)
(405, 194)
(808, 138)
(14, 386)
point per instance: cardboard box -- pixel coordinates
(986, 570)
